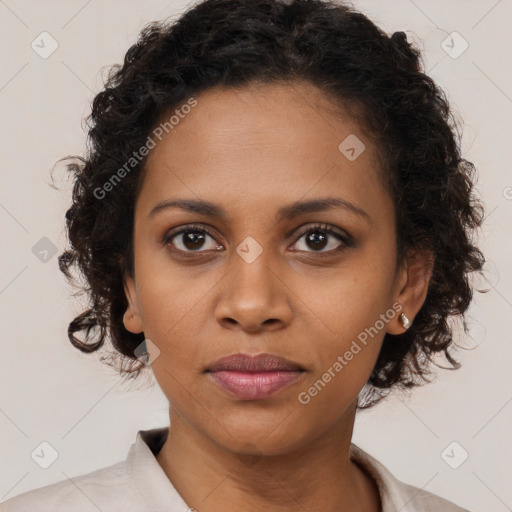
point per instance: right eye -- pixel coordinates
(190, 239)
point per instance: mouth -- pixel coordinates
(254, 377)
(254, 364)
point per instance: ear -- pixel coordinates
(412, 286)
(132, 320)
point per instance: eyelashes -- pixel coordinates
(197, 229)
(331, 232)
(318, 234)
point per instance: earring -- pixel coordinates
(405, 321)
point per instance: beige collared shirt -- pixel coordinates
(139, 484)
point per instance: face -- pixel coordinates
(257, 273)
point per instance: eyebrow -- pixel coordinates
(287, 212)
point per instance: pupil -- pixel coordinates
(319, 240)
(192, 238)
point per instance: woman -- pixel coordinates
(274, 215)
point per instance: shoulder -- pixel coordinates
(397, 495)
(105, 489)
(419, 500)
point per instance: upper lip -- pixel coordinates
(254, 364)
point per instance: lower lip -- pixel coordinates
(254, 386)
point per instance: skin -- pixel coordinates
(252, 151)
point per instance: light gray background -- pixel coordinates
(52, 392)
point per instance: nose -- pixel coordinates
(254, 297)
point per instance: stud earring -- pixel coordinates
(405, 321)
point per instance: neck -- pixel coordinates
(319, 476)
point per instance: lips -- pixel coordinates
(254, 377)
(254, 364)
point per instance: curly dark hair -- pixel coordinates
(235, 43)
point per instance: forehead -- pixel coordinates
(277, 116)
(260, 143)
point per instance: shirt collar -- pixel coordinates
(148, 475)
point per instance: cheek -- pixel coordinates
(351, 324)
(170, 299)
(349, 302)
(345, 362)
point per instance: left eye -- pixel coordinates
(319, 237)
